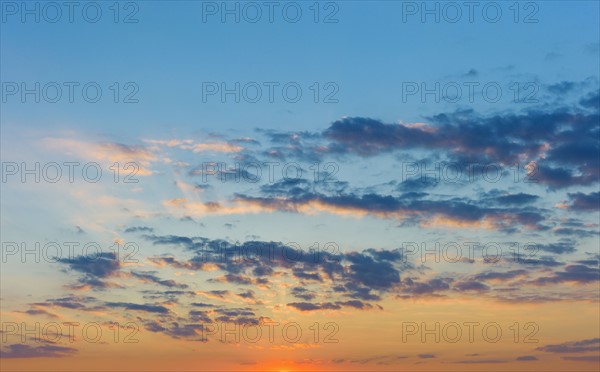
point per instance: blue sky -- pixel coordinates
(170, 53)
(361, 134)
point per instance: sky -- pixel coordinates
(300, 186)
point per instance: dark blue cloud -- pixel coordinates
(24, 351)
(149, 277)
(308, 306)
(562, 247)
(468, 285)
(583, 346)
(426, 288)
(391, 206)
(150, 308)
(481, 361)
(502, 276)
(562, 87)
(303, 293)
(101, 266)
(466, 136)
(575, 273)
(515, 199)
(584, 202)
(585, 358)
(139, 229)
(527, 358)
(95, 269)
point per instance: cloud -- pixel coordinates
(356, 304)
(574, 273)
(139, 229)
(242, 316)
(584, 202)
(547, 261)
(527, 358)
(240, 279)
(557, 248)
(557, 140)
(149, 308)
(516, 199)
(215, 294)
(340, 279)
(589, 345)
(369, 269)
(303, 293)
(471, 286)
(248, 295)
(417, 184)
(579, 233)
(308, 306)
(376, 136)
(591, 101)
(107, 152)
(200, 304)
(253, 262)
(559, 177)
(501, 138)
(196, 147)
(199, 316)
(562, 87)
(149, 277)
(481, 361)
(378, 359)
(425, 288)
(103, 265)
(169, 295)
(72, 302)
(587, 358)
(190, 332)
(455, 212)
(95, 269)
(36, 310)
(23, 351)
(500, 276)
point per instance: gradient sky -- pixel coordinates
(197, 245)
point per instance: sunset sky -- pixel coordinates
(300, 186)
